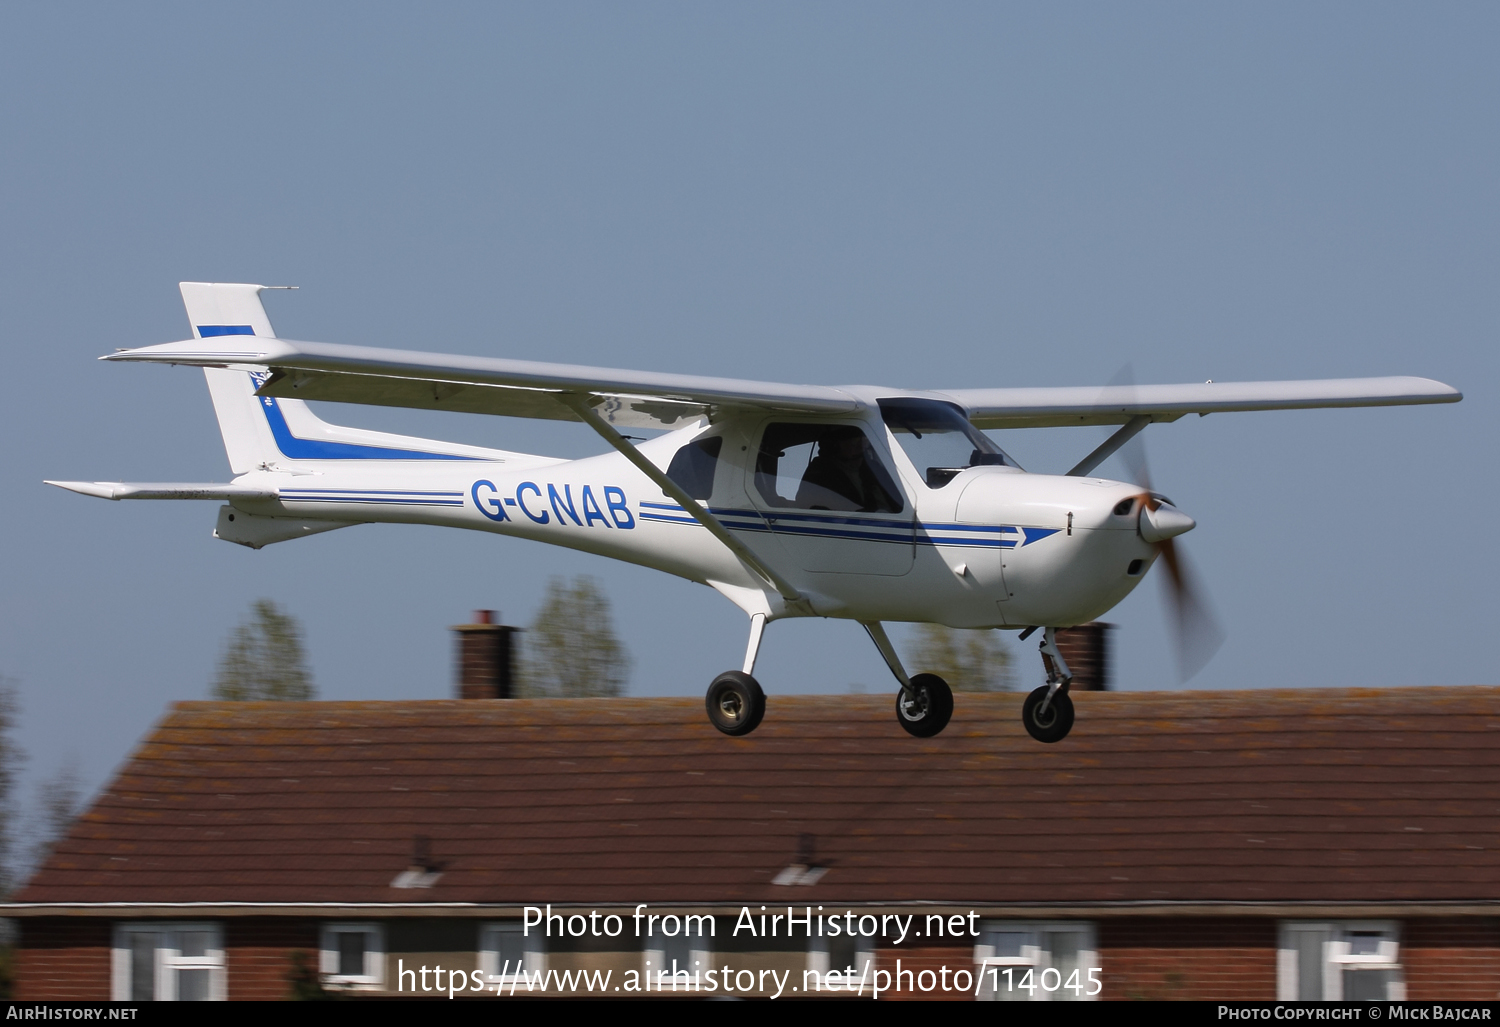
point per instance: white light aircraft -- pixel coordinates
(866, 503)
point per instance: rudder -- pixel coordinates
(216, 309)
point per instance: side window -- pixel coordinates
(823, 467)
(692, 467)
(353, 954)
(1340, 961)
(162, 962)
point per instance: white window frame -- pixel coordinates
(168, 958)
(1336, 957)
(490, 964)
(1036, 955)
(819, 959)
(328, 959)
(654, 958)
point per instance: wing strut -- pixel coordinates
(583, 408)
(1107, 448)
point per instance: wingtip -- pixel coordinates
(1442, 392)
(97, 489)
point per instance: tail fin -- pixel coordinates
(218, 309)
(261, 432)
(221, 309)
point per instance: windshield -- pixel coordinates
(939, 440)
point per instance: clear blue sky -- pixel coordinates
(912, 195)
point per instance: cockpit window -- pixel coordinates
(939, 440)
(823, 467)
(692, 467)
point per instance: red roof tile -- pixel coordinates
(1292, 796)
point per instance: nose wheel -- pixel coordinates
(1049, 723)
(925, 706)
(1048, 712)
(735, 703)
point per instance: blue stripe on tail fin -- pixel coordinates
(294, 448)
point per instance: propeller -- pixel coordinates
(1195, 629)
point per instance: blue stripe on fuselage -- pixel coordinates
(821, 525)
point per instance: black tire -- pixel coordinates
(735, 703)
(1052, 726)
(929, 711)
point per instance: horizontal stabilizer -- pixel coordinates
(163, 490)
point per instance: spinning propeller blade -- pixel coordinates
(1195, 629)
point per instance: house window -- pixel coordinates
(508, 957)
(353, 955)
(849, 961)
(680, 958)
(1340, 960)
(1050, 961)
(168, 962)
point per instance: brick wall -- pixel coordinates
(1212, 959)
(913, 961)
(1205, 959)
(1454, 959)
(63, 958)
(258, 955)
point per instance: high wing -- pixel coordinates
(487, 385)
(523, 388)
(1117, 404)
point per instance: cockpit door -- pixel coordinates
(827, 494)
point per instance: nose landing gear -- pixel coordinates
(1048, 712)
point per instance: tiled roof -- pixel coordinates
(1294, 796)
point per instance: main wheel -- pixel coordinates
(735, 703)
(927, 707)
(1055, 723)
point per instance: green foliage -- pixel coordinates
(59, 801)
(264, 659)
(571, 650)
(304, 981)
(970, 660)
(10, 765)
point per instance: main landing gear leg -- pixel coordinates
(1048, 712)
(925, 703)
(735, 701)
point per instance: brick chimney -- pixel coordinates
(485, 658)
(1086, 648)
